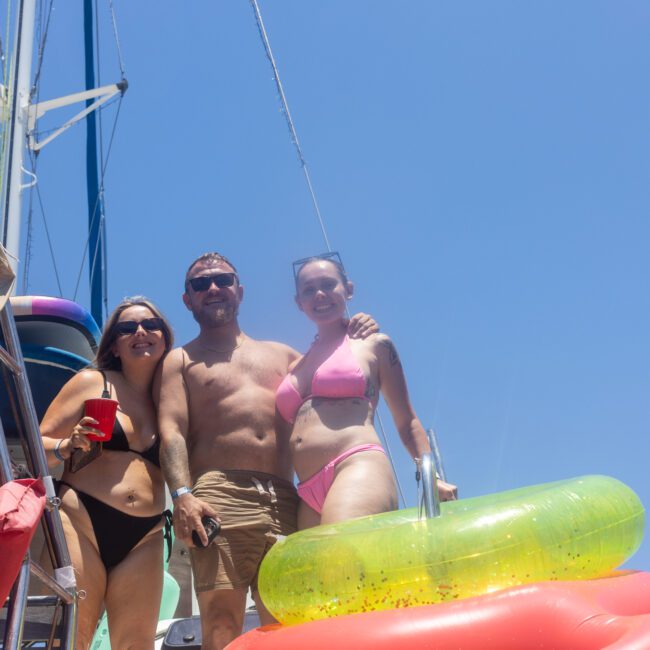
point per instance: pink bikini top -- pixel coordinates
(338, 376)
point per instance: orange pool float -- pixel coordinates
(612, 613)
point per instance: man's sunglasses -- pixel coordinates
(127, 327)
(204, 282)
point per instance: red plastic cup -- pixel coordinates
(103, 410)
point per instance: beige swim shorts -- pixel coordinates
(254, 508)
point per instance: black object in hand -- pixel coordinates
(212, 528)
(80, 458)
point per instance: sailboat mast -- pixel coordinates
(22, 69)
(96, 224)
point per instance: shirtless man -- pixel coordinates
(220, 436)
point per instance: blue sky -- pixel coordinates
(482, 168)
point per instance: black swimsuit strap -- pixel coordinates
(106, 394)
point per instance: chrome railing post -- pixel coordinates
(430, 487)
(435, 450)
(16, 610)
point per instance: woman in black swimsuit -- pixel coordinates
(112, 507)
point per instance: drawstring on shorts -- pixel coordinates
(260, 488)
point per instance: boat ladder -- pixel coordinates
(61, 587)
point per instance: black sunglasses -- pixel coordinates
(204, 282)
(127, 327)
(332, 256)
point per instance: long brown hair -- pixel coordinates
(105, 359)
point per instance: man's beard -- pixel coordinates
(219, 317)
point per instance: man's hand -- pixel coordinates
(447, 491)
(188, 512)
(361, 326)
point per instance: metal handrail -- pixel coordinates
(430, 486)
(437, 456)
(430, 469)
(63, 582)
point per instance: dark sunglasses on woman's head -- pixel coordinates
(204, 282)
(331, 256)
(126, 327)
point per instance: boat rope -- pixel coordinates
(303, 163)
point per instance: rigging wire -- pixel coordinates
(99, 206)
(8, 83)
(41, 47)
(101, 191)
(303, 163)
(104, 159)
(98, 73)
(2, 50)
(287, 116)
(45, 226)
(34, 96)
(117, 40)
(29, 240)
(3, 55)
(100, 250)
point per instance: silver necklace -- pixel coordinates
(222, 350)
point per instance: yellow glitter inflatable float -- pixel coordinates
(571, 530)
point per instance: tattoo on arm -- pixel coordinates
(175, 463)
(393, 357)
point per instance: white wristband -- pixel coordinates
(180, 491)
(57, 451)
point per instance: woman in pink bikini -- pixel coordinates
(330, 396)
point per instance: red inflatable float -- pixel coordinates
(612, 613)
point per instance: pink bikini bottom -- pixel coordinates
(314, 490)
